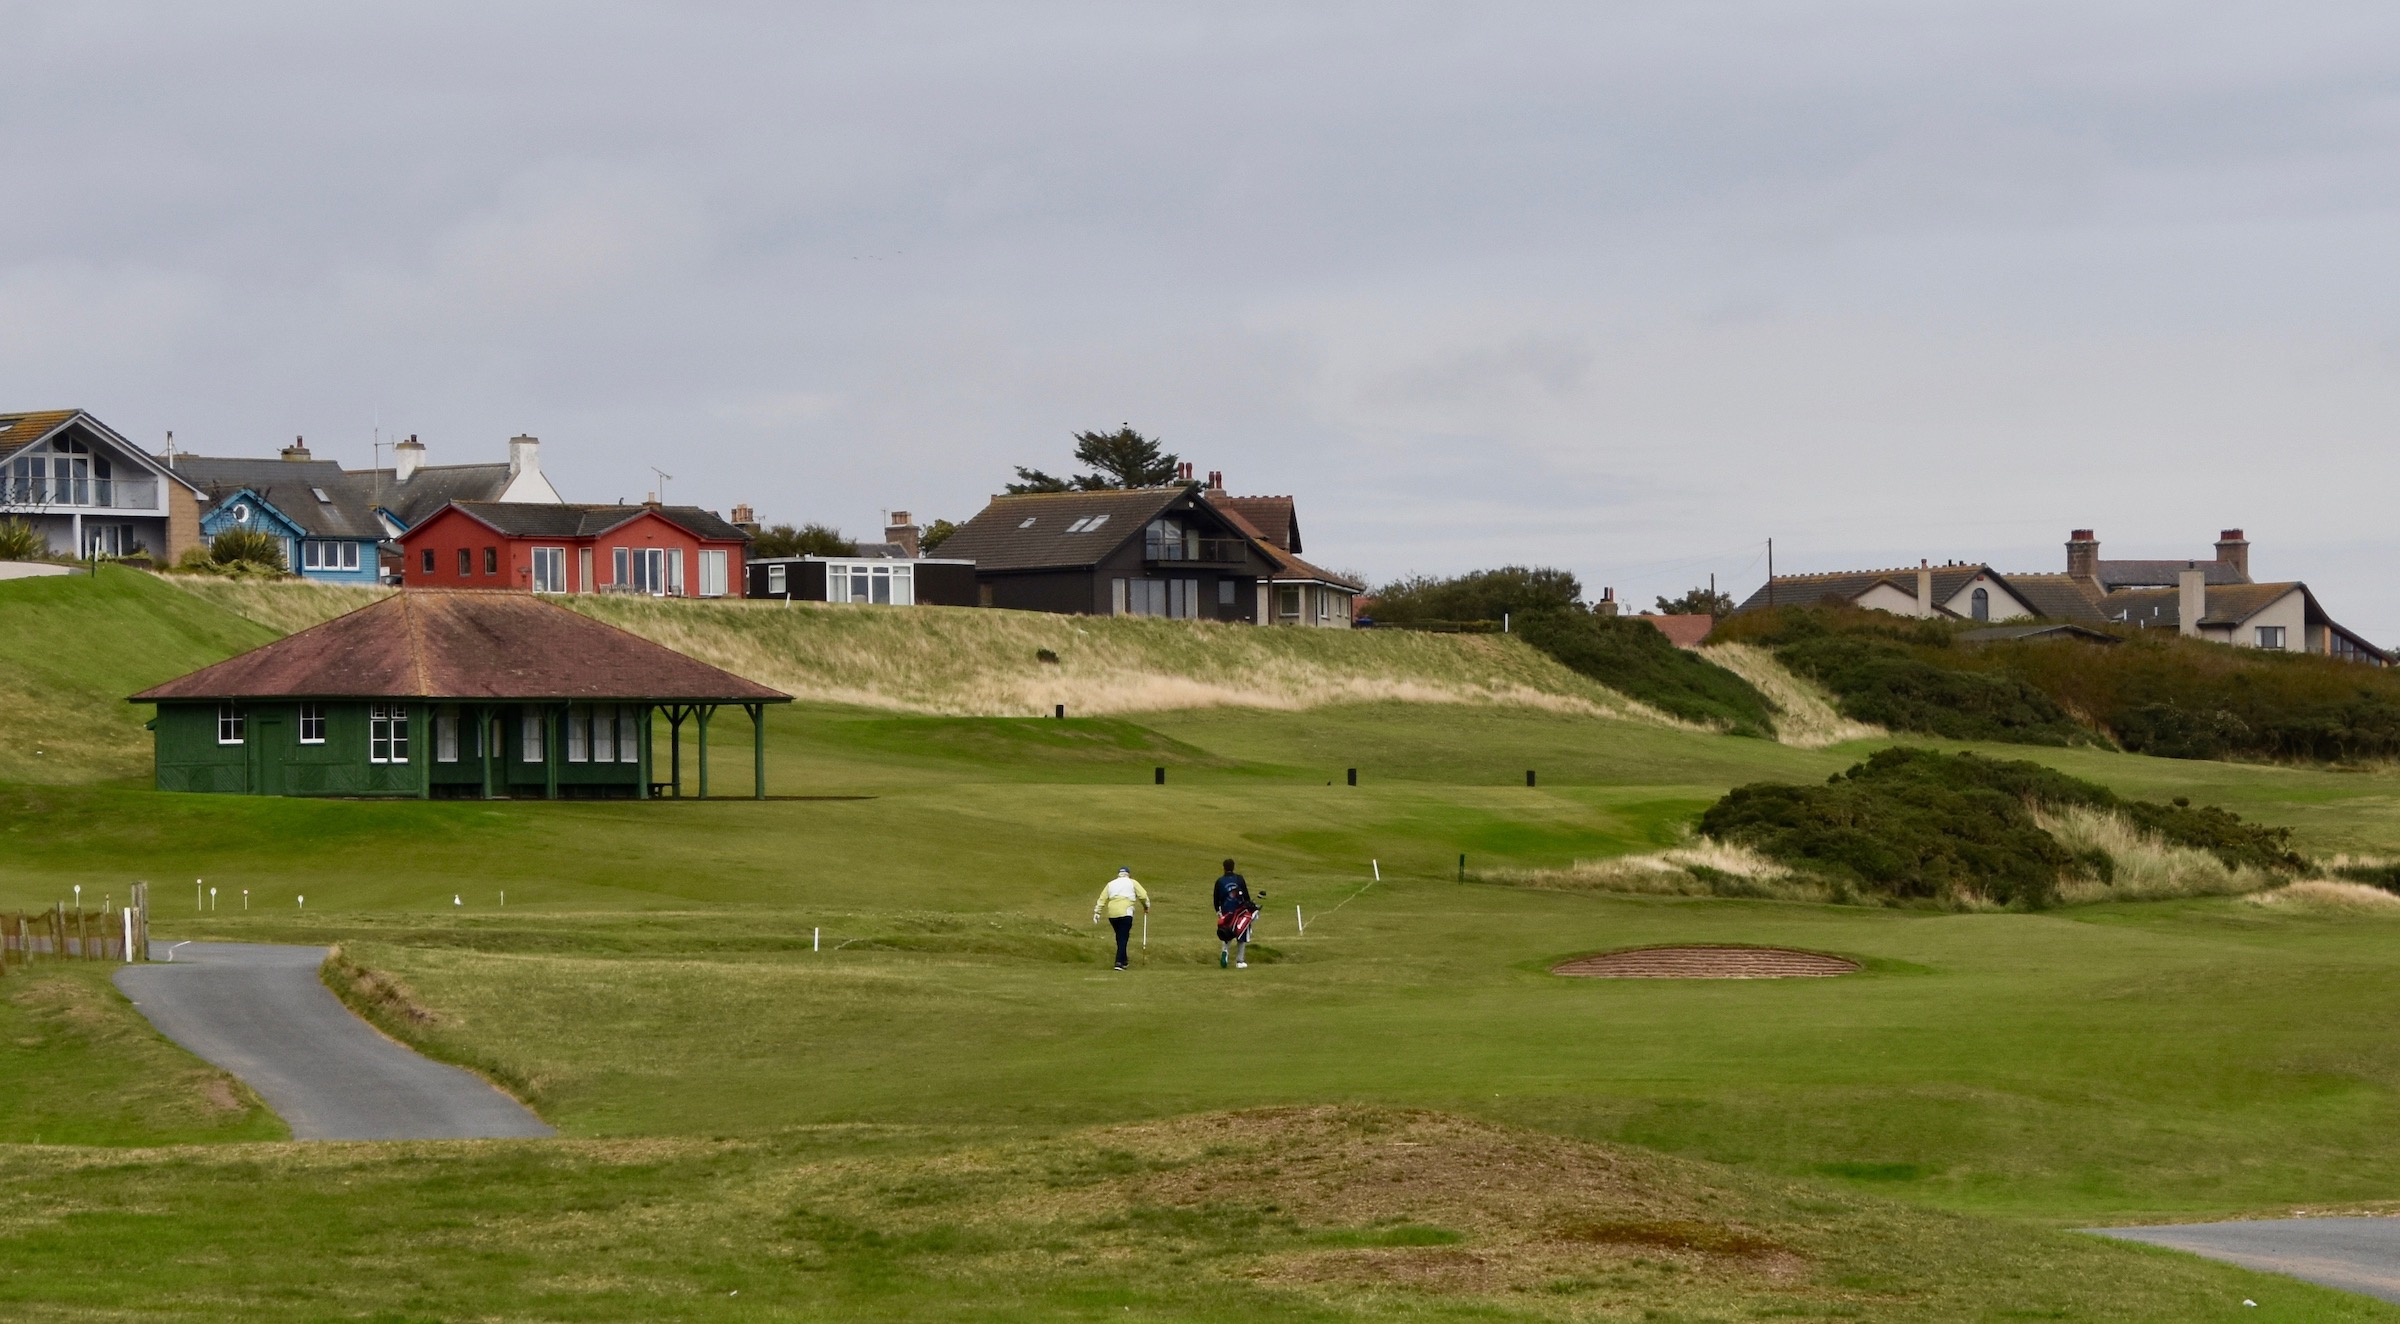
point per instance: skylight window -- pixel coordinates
(321, 496)
(1087, 524)
(1028, 523)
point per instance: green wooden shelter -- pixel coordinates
(429, 693)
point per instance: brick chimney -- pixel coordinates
(910, 538)
(298, 450)
(2234, 550)
(1216, 485)
(1924, 587)
(2083, 555)
(2191, 599)
(407, 457)
(745, 519)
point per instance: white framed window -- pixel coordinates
(674, 575)
(579, 745)
(2270, 636)
(387, 733)
(530, 735)
(316, 554)
(629, 734)
(549, 569)
(775, 581)
(445, 735)
(604, 734)
(312, 724)
(712, 572)
(232, 726)
(621, 559)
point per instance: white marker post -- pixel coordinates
(1300, 920)
(304, 903)
(245, 898)
(1378, 864)
(127, 916)
(816, 940)
(212, 900)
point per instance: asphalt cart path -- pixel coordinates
(2354, 1254)
(260, 1012)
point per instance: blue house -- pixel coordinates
(328, 525)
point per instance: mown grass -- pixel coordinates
(83, 1068)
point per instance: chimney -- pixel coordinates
(524, 455)
(298, 450)
(909, 536)
(745, 519)
(2191, 599)
(407, 457)
(2083, 555)
(1924, 587)
(2233, 550)
(1183, 472)
(1607, 605)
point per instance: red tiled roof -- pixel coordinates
(431, 644)
(1683, 631)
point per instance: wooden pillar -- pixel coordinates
(707, 710)
(641, 787)
(552, 729)
(675, 716)
(420, 737)
(758, 750)
(483, 741)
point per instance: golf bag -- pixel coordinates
(1235, 927)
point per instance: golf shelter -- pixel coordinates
(448, 694)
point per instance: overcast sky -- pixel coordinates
(1623, 288)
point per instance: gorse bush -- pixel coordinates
(247, 547)
(1634, 659)
(1914, 824)
(1485, 595)
(2153, 693)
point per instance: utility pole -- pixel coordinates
(1770, 572)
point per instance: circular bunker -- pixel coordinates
(1698, 961)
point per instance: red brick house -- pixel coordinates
(657, 551)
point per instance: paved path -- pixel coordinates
(2355, 1254)
(259, 1012)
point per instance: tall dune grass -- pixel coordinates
(2147, 869)
(971, 662)
(2325, 897)
(1702, 868)
(1807, 717)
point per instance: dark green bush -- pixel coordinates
(1912, 823)
(1634, 659)
(1485, 595)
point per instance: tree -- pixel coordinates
(1120, 459)
(935, 535)
(1698, 602)
(1485, 595)
(810, 539)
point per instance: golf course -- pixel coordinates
(855, 1051)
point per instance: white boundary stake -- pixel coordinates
(816, 940)
(1300, 920)
(127, 916)
(1378, 867)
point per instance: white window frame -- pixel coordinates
(579, 748)
(776, 579)
(712, 572)
(387, 733)
(445, 735)
(233, 725)
(2274, 632)
(604, 733)
(312, 716)
(629, 734)
(530, 734)
(549, 569)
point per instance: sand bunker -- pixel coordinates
(1707, 963)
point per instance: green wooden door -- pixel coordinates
(267, 735)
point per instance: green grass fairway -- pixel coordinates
(855, 1052)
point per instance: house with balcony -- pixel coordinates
(1149, 551)
(90, 492)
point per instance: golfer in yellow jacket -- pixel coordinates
(1117, 901)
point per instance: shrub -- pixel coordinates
(20, 541)
(1912, 823)
(1485, 595)
(1634, 659)
(235, 548)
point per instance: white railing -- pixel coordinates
(18, 493)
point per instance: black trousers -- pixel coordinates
(1123, 924)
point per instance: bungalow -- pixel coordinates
(2214, 599)
(89, 492)
(650, 549)
(446, 694)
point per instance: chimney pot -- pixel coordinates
(298, 450)
(909, 538)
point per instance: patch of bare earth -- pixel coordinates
(1707, 962)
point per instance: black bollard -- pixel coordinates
(1158, 777)
(1529, 776)
(1354, 776)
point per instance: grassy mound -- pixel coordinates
(2154, 693)
(964, 661)
(73, 646)
(1635, 659)
(1914, 824)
